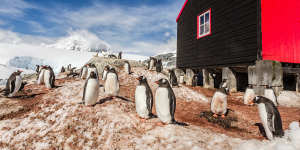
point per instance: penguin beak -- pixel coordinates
(156, 82)
(138, 78)
(251, 103)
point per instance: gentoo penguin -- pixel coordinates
(37, 68)
(172, 78)
(91, 90)
(120, 55)
(49, 77)
(218, 103)
(143, 98)
(69, 67)
(13, 84)
(92, 67)
(84, 72)
(195, 80)
(269, 116)
(249, 95)
(165, 102)
(62, 70)
(152, 63)
(40, 78)
(158, 65)
(270, 94)
(104, 73)
(112, 56)
(127, 67)
(112, 86)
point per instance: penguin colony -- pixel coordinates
(165, 100)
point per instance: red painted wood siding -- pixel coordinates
(281, 30)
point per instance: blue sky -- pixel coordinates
(138, 26)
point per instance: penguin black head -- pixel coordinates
(19, 72)
(112, 70)
(106, 67)
(93, 75)
(260, 99)
(142, 79)
(163, 83)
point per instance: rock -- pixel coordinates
(118, 64)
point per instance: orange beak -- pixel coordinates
(156, 82)
(251, 103)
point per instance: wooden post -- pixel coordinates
(298, 83)
(208, 81)
(189, 77)
(230, 76)
(268, 73)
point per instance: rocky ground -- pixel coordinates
(53, 119)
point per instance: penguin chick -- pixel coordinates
(218, 103)
(112, 86)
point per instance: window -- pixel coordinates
(204, 24)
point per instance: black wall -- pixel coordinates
(234, 40)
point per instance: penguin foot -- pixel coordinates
(159, 124)
(215, 115)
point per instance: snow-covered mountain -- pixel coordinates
(81, 41)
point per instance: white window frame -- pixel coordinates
(204, 25)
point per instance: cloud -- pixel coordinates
(2, 22)
(14, 8)
(139, 29)
(10, 37)
(135, 29)
(37, 27)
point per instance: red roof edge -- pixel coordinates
(181, 10)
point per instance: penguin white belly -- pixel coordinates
(41, 77)
(111, 84)
(151, 65)
(18, 84)
(270, 94)
(104, 75)
(162, 105)
(141, 102)
(219, 103)
(91, 92)
(47, 81)
(249, 96)
(126, 67)
(84, 73)
(264, 119)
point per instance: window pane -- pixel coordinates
(207, 28)
(201, 19)
(207, 17)
(201, 29)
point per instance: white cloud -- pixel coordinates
(14, 8)
(37, 27)
(2, 22)
(10, 37)
(129, 28)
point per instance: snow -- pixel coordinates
(183, 92)
(289, 99)
(58, 122)
(80, 40)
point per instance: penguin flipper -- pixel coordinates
(84, 88)
(172, 103)
(149, 99)
(12, 85)
(270, 117)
